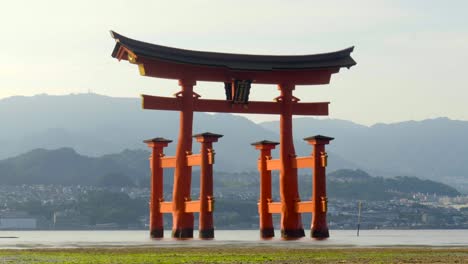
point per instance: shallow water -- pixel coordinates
(240, 238)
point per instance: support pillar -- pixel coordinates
(319, 227)
(156, 222)
(291, 222)
(206, 227)
(267, 230)
(183, 222)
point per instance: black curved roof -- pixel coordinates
(337, 59)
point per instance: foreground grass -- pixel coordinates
(228, 254)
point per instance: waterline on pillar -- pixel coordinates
(183, 233)
(157, 233)
(319, 234)
(267, 233)
(206, 234)
(292, 233)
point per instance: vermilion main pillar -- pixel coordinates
(182, 221)
(291, 222)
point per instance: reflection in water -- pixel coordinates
(139, 238)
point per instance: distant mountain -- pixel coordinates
(89, 123)
(434, 149)
(66, 167)
(96, 125)
(357, 184)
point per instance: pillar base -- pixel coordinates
(206, 233)
(266, 233)
(157, 233)
(292, 233)
(319, 234)
(182, 233)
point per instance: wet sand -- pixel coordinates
(231, 238)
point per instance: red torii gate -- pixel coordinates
(237, 72)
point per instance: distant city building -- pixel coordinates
(69, 219)
(17, 220)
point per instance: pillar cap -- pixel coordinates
(207, 137)
(265, 142)
(318, 137)
(207, 134)
(157, 140)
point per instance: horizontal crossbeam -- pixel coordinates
(303, 162)
(168, 162)
(274, 208)
(192, 160)
(165, 207)
(223, 106)
(298, 163)
(190, 206)
(301, 207)
(305, 207)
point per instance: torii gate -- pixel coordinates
(237, 72)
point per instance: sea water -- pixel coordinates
(241, 238)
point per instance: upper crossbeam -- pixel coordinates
(223, 106)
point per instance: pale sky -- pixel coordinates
(411, 55)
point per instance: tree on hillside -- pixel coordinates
(115, 180)
(112, 207)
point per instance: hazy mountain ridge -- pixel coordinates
(358, 184)
(96, 125)
(432, 149)
(65, 166)
(130, 167)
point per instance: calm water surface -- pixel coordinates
(247, 238)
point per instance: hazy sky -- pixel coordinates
(411, 55)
